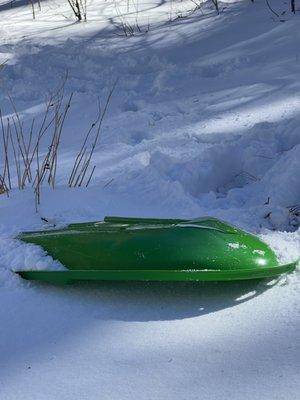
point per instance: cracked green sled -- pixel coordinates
(147, 249)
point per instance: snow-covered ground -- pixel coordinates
(204, 120)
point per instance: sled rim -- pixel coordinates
(71, 276)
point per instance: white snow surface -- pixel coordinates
(204, 120)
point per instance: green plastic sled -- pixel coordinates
(147, 249)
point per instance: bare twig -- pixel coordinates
(293, 6)
(83, 158)
(79, 8)
(271, 9)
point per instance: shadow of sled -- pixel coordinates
(156, 301)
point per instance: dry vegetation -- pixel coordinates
(25, 160)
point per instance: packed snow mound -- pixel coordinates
(213, 124)
(285, 245)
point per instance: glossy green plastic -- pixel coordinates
(154, 249)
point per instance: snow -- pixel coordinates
(204, 120)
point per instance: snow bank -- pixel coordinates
(204, 121)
